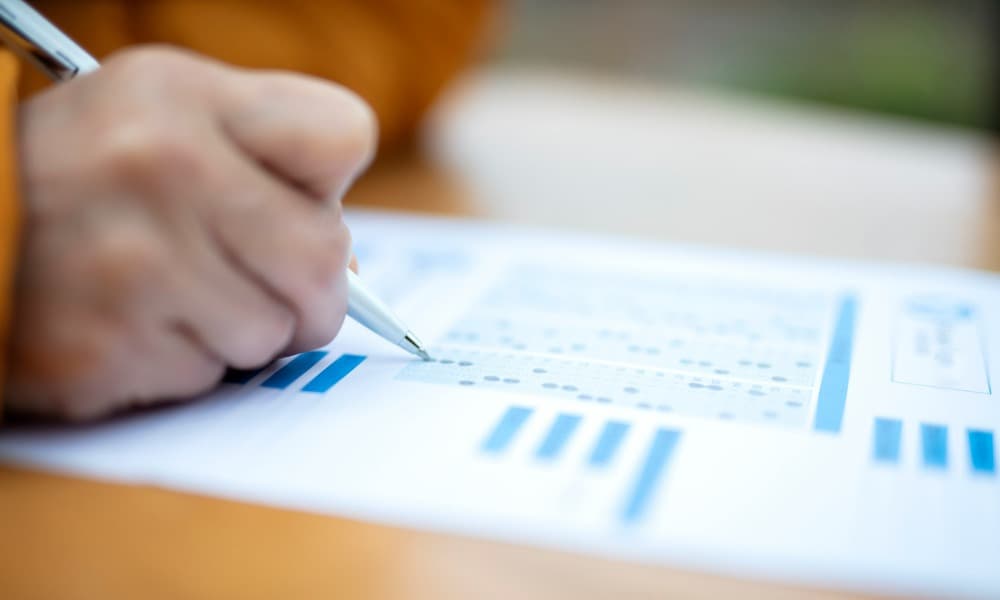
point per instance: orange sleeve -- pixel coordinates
(9, 203)
(397, 54)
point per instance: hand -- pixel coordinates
(180, 216)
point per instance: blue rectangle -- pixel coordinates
(651, 473)
(837, 372)
(506, 428)
(292, 370)
(886, 442)
(981, 453)
(560, 432)
(333, 373)
(240, 376)
(608, 443)
(934, 443)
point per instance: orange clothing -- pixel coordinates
(9, 206)
(397, 54)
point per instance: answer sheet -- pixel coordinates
(751, 414)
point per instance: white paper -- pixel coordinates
(700, 408)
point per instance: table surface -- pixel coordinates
(570, 152)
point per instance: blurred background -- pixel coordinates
(855, 128)
(859, 128)
(925, 59)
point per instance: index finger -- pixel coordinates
(316, 135)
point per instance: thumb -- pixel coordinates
(316, 136)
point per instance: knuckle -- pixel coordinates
(265, 339)
(343, 134)
(209, 375)
(280, 331)
(326, 317)
(156, 62)
(203, 374)
(84, 392)
(328, 252)
(126, 263)
(147, 153)
(323, 328)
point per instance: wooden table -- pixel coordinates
(574, 153)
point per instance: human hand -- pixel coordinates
(180, 216)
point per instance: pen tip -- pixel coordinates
(412, 344)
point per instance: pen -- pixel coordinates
(35, 38)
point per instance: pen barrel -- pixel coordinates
(32, 36)
(365, 308)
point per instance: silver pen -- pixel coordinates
(35, 38)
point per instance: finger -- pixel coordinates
(290, 245)
(315, 134)
(178, 366)
(233, 317)
(160, 362)
(353, 265)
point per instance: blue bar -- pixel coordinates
(608, 443)
(652, 471)
(981, 452)
(333, 373)
(885, 446)
(292, 370)
(934, 439)
(507, 427)
(240, 376)
(560, 432)
(837, 373)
